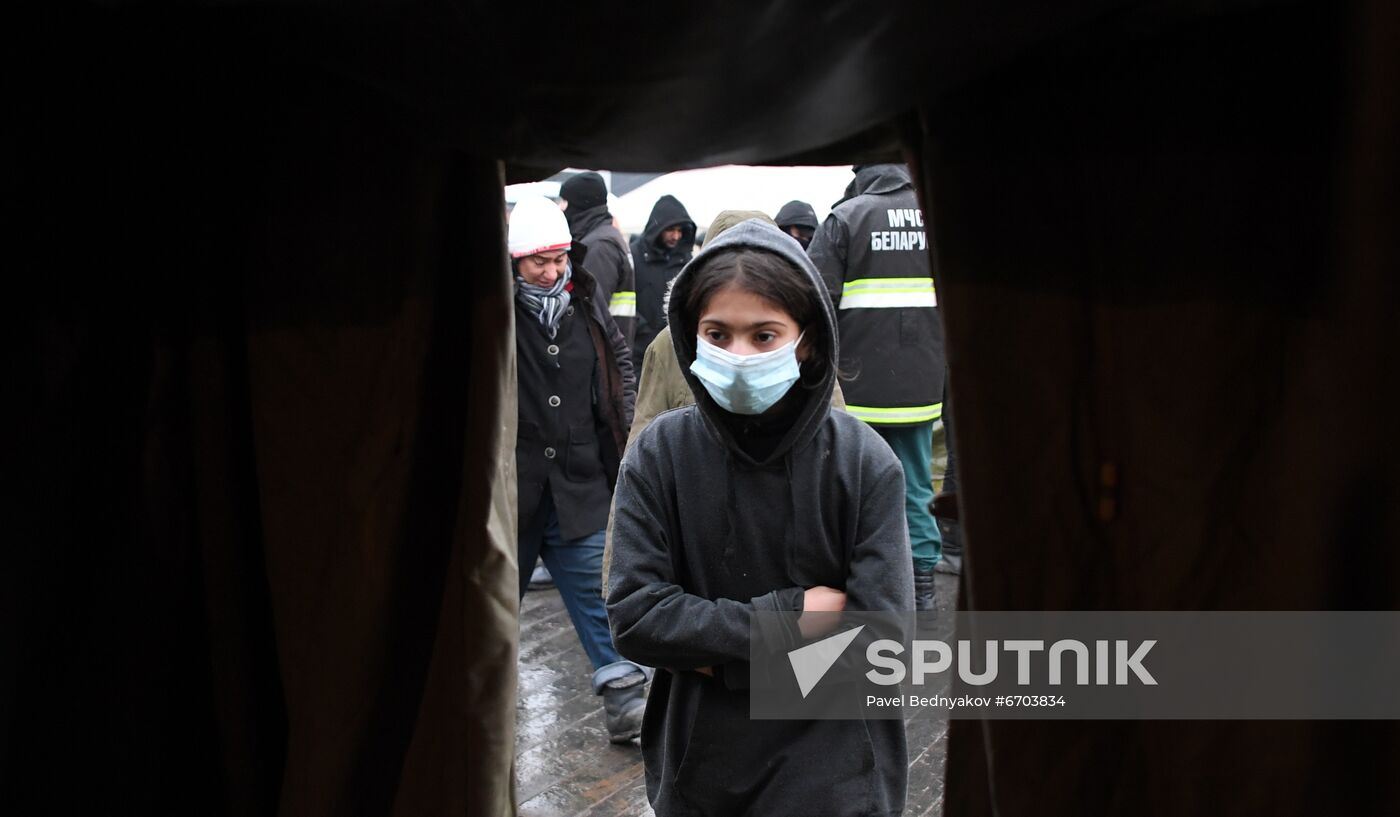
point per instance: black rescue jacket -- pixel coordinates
(705, 536)
(656, 266)
(572, 445)
(873, 254)
(610, 263)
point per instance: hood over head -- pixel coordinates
(730, 218)
(666, 212)
(723, 221)
(797, 214)
(886, 178)
(813, 390)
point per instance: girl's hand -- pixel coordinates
(819, 607)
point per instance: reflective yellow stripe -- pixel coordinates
(883, 283)
(623, 304)
(908, 414)
(888, 293)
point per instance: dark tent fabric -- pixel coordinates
(268, 499)
(1174, 382)
(261, 553)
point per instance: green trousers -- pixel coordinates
(913, 445)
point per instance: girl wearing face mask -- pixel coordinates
(760, 497)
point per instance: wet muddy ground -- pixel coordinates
(565, 766)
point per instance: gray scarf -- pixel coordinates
(547, 304)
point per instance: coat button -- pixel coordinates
(552, 349)
(549, 453)
(569, 311)
(554, 400)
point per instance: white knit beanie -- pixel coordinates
(537, 225)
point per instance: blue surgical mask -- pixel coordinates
(746, 384)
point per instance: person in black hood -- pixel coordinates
(799, 220)
(658, 254)
(760, 497)
(609, 259)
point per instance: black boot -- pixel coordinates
(624, 701)
(925, 596)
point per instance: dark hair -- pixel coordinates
(771, 277)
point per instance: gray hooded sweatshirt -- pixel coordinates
(704, 535)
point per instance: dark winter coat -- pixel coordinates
(873, 254)
(655, 266)
(572, 445)
(704, 536)
(610, 262)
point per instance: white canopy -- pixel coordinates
(707, 191)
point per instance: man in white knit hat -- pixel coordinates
(576, 392)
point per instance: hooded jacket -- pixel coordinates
(797, 214)
(610, 263)
(655, 266)
(664, 387)
(873, 254)
(572, 446)
(705, 535)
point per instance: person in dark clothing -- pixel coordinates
(609, 258)
(658, 254)
(576, 393)
(872, 253)
(944, 506)
(799, 220)
(759, 497)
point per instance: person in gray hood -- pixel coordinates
(759, 497)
